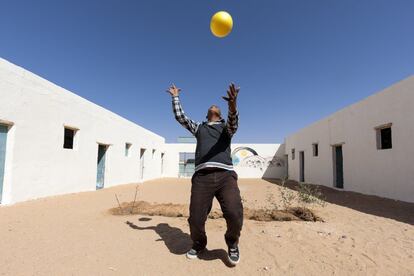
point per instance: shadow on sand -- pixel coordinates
(373, 205)
(179, 242)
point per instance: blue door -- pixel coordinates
(3, 140)
(339, 168)
(141, 161)
(100, 176)
(302, 166)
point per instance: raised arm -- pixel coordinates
(233, 114)
(179, 112)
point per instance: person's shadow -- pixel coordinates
(179, 242)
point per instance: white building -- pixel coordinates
(249, 160)
(55, 142)
(35, 117)
(366, 147)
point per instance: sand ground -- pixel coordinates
(75, 235)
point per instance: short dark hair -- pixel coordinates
(219, 111)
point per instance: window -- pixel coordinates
(153, 153)
(293, 154)
(69, 138)
(315, 147)
(186, 164)
(127, 147)
(384, 137)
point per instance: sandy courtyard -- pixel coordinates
(75, 235)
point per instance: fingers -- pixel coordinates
(169, 90)
(233, 89)
(232, 92)
(229, 94)
(173, 89)
(230, 97)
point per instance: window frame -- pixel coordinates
(74, 138)
(378, 134)
(127, 152)
(315, 149)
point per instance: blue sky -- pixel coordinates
(295, 60)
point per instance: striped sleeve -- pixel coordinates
(232, 122)
(180, 116)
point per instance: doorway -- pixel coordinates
(162, 163)
(100, 174)
(3, 141)
(302, 166)
(142, 163)
(287, 166)
(338, 167)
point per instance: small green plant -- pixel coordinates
(270, 197)
(287, 195)
(310, 194)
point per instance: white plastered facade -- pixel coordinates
(366, 169)
(36, 164)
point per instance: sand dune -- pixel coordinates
(76, 235)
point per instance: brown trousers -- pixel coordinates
(222, 184)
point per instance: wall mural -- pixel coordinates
(248, 157)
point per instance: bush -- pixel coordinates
(310, 194)
(287, 195)
(307, 194)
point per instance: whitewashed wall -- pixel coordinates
(386, 173)
(37, 165)
(244, 170)
(172, 157)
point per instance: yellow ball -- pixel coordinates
(221, 24)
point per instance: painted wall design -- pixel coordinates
(248, 157)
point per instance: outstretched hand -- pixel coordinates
(173, 90)
(231, 98)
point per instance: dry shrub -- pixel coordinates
(151, 209)
(304, 214)
(306, 196)
(181, 210)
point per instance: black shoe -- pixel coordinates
(234, 255)
(192, 253)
